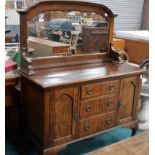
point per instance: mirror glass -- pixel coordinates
(62, 33)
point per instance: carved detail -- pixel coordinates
(118, 54)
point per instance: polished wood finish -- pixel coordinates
(65, 109)
(70, 98)
(96, 124)
(127, 103)
(62, 116)
(89, 107)
(137, 145)
(109, 103)
(84, 73)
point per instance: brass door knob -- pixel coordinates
(108, 121)
(88, 108)
(109, 104)
(90, 91)
(87, 127)
(111, 87)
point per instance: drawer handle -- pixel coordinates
(90, 91)
(109, 104)
(108, 120)
(88, 108)
(111, 87)
(87, 127)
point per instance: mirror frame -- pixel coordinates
(61, 5)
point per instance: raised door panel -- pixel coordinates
(128, 99)
(62, 122)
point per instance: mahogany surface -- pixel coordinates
(83, 73)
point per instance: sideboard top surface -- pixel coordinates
(84, 73)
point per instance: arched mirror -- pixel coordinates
(59, 33)
(64, 30)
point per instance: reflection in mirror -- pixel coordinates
(59, 33)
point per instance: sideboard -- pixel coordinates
(61, 107)
(73, 97)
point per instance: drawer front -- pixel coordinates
(89, 108)
(110, 87)
(109, 120)
(90, 126)
(96, 124)
(90, 91)
(109, 103)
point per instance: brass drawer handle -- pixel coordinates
(90, 91)
(87, 127)
(109, 104)
(111, 87)
(108, 121)
(88, 108)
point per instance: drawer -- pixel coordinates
(89, 108)
(96, 124)
(90, 126)
(110, 87)
(109, 120)
(109, 103)
(90, 91)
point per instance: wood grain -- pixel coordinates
(84, 73)
(137, 50)
(137, 145)
(127, 100)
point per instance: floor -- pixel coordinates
(136, 145)
(85, 146)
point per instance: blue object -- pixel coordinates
(60, 25)
(84, 146)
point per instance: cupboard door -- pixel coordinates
(63, 115)
(128, 99)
